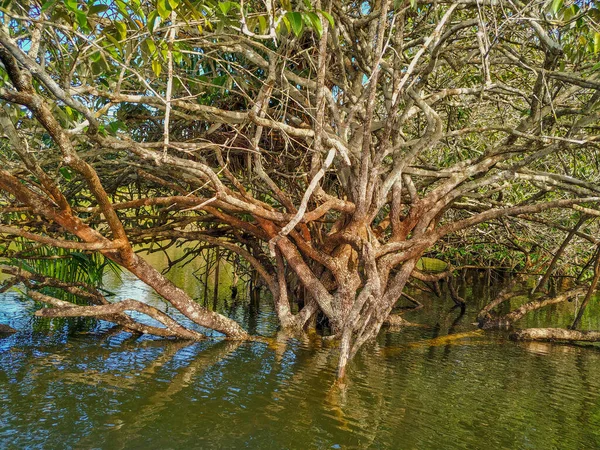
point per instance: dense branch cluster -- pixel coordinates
(329, 145)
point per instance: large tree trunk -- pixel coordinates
(370, 310)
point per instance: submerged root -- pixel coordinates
(555, 334)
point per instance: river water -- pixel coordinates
(442, 384)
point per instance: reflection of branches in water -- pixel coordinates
(115, 381)
(163, 399)
(306, 371)
(452, 328)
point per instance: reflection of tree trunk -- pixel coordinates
(555, 334)
(206, 270)
(457, 299)
(234, 281)
(253, 308)
(558, 254)
(216, 285)
(590, 291)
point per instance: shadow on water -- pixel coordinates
(443, 384)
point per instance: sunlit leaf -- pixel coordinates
(121, 30)
(163, 9)
(262, 23)
(316, 22)
(122, 7)
(156, 67)
(296, 22)
(71, 5)
(49, 4)
(151, 46)
(225, 7)
(153, 21)
(328, 16)
(556, 5)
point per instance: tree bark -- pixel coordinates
(508, 319)
(555, 334)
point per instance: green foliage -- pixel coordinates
(577, 27)
(86, 269)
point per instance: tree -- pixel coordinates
(329, 145)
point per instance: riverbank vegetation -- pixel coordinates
(326, 147)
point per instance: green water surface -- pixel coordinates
(441, 385)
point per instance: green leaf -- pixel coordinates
(173, 4)
(95, 57)
(156, 67)
(122, 7)
(135, 6)
(316, 22)
(287, 24)
(262, 23)
(151, 46)
(81, 18)
(163, 8)
(121, 30)
(49, 4)
(295, 19)
(225, 7)
(71, 5)
(66, 173)
(115, 126)
(219, 81)
(413, 3)
(328, 16)
(597, 42)
(556, 5)
(97, 9)
(153, 21)
(177, 57)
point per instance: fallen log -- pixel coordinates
(555, 334)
